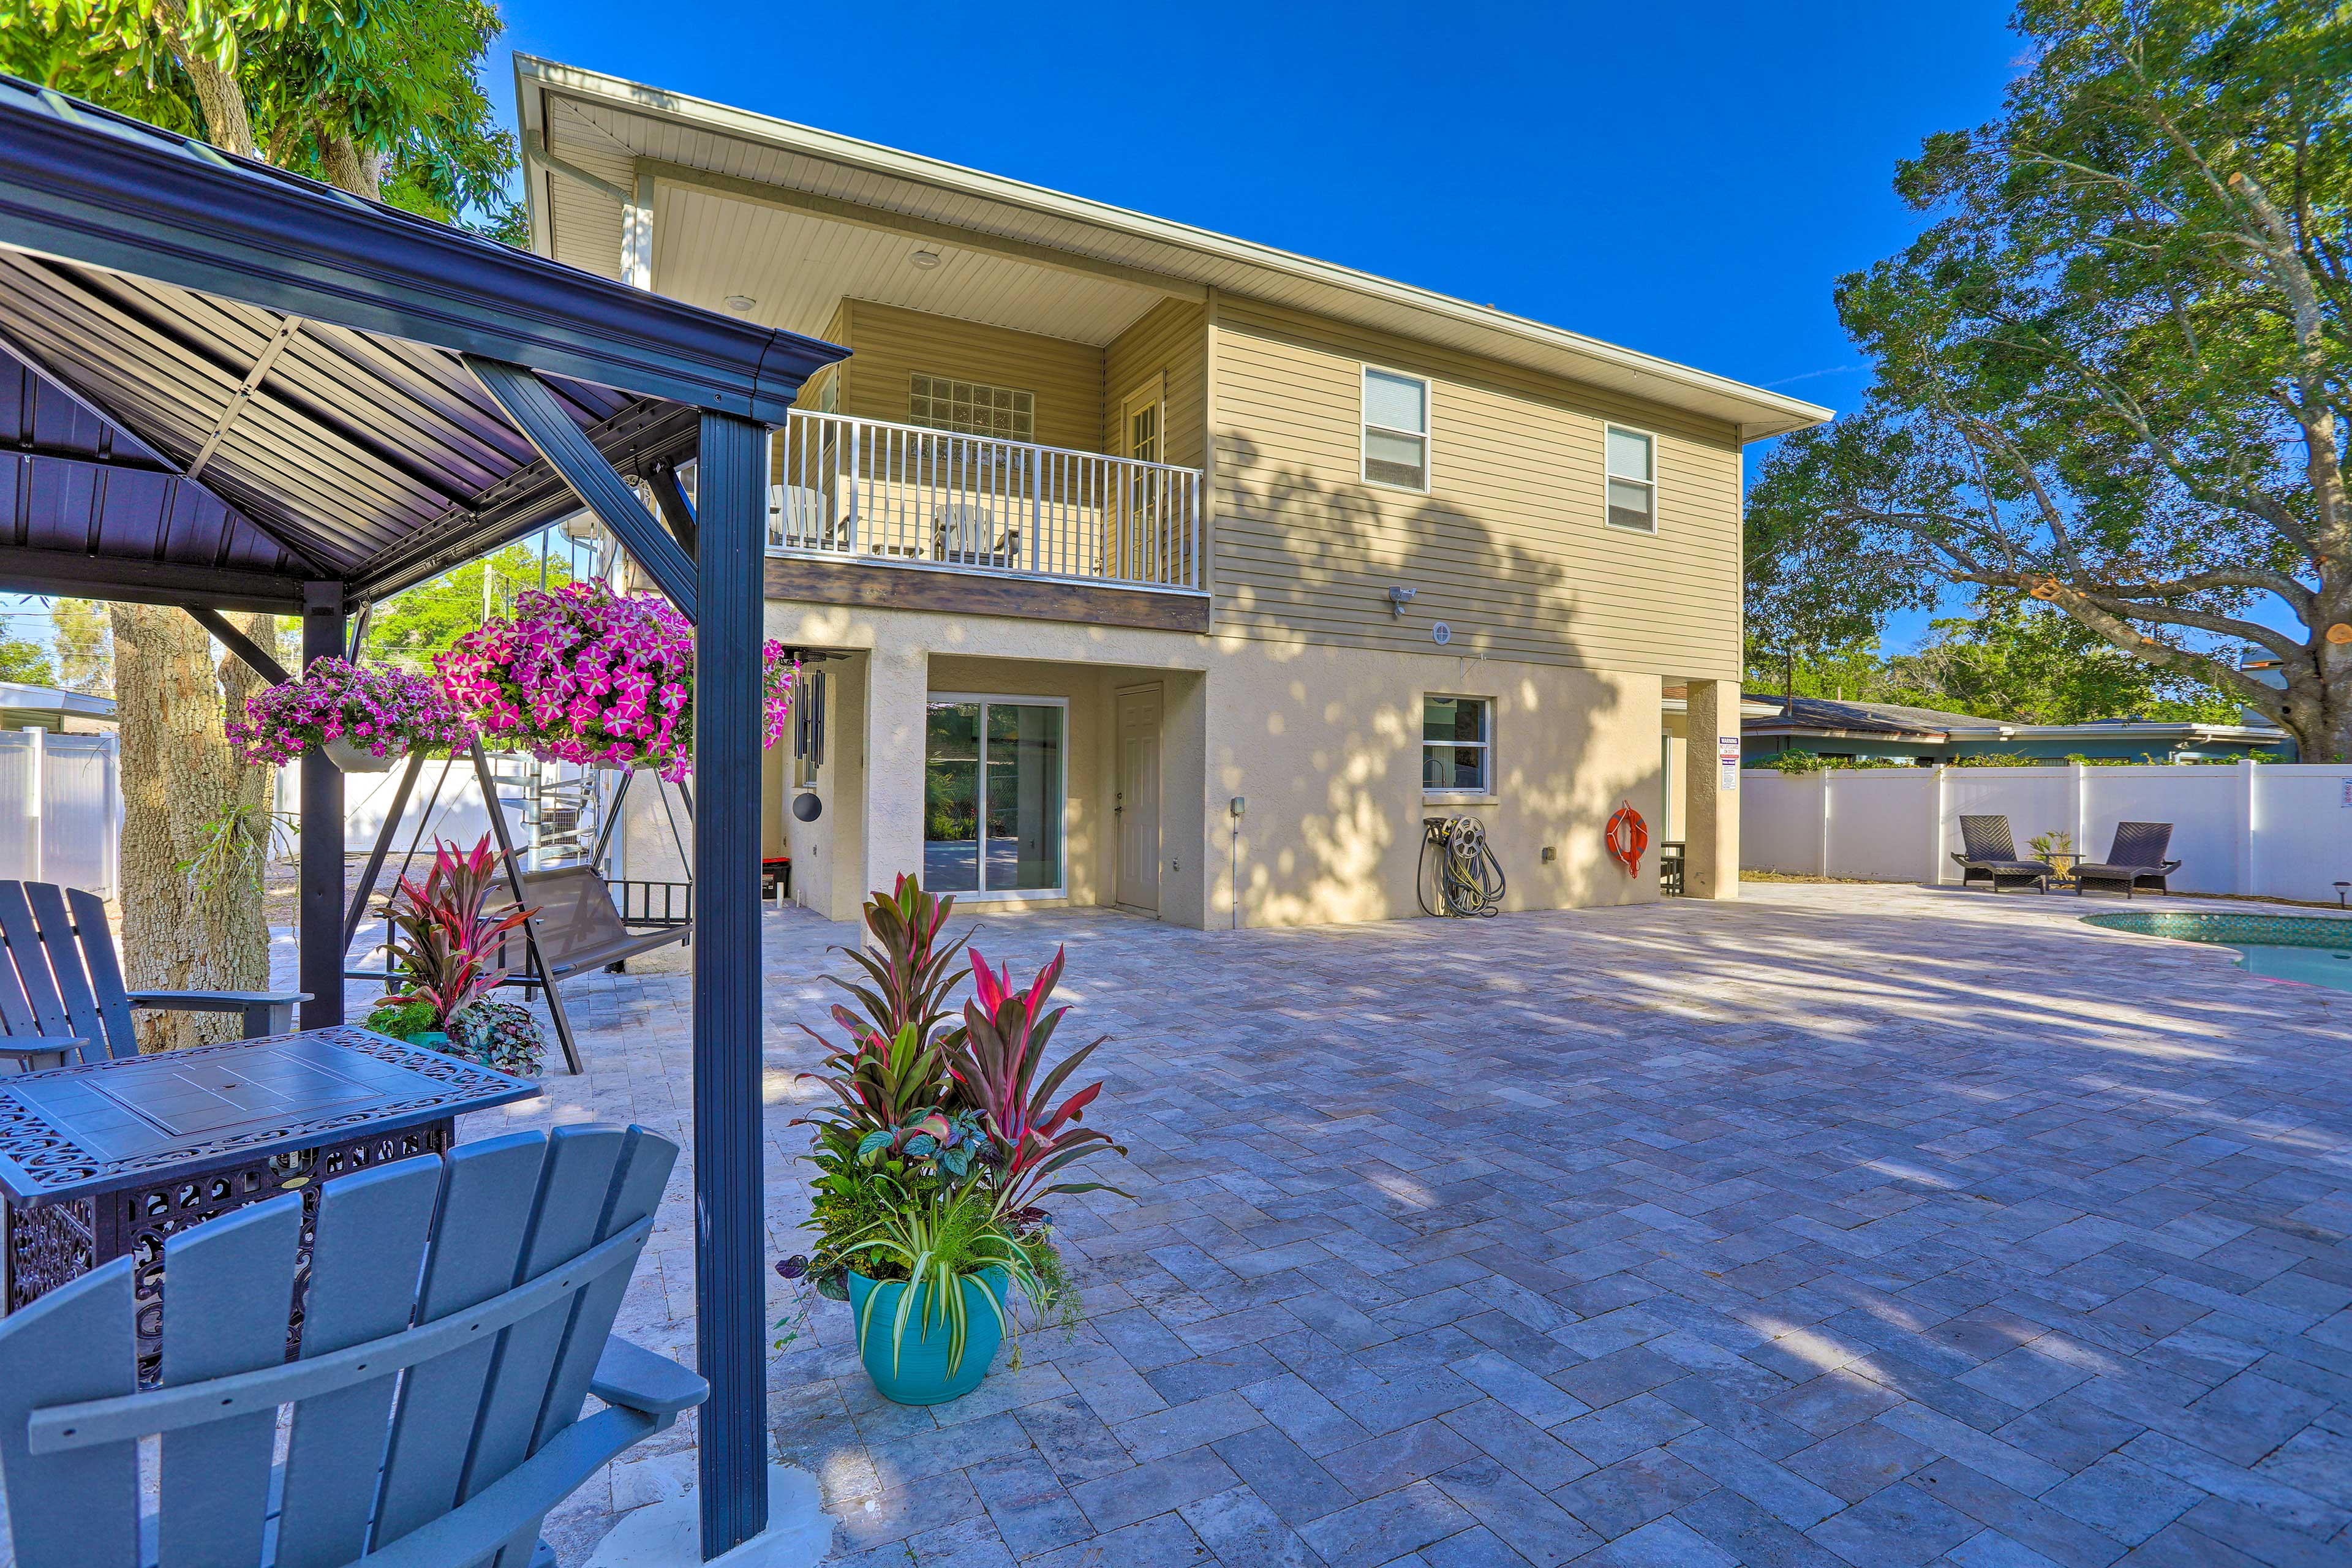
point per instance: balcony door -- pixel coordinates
(993, 782)
(1139, 528)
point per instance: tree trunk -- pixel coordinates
(348, 168)
(187, 799)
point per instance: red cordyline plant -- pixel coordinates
(895, 1066)
(449, 940)
(995, 1064)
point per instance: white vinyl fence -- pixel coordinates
(2276, 829)
(60, 809)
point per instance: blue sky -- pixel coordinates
(1687, 181)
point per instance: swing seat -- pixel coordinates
(578, 929)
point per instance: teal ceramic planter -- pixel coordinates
(921, 1375)
(431, 1040)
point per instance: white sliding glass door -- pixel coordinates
(993, 782)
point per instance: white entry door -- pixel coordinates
(1137, 803)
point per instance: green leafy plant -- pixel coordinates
(402, 1019)
(2054, 842)
(934, 1244)
(236, 849)
(501, 1036)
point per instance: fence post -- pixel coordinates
(1936, 830)
(1822, 844)
(2248, 827)
(2079, 793)
(36, 802)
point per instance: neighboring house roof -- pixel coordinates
(16, 696)
(1826, 718)
(591, 140)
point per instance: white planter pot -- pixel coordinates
(354, 759)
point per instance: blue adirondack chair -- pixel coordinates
(458, 1310)
(61, 993)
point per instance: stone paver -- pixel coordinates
(1839, 1226)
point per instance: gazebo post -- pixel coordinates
(322, 874)
(730, 1133)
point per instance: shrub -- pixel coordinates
(448, 938)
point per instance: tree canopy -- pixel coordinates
(410, 629)
(2111, 373)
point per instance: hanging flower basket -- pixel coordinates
(366, 716)
(584, 675)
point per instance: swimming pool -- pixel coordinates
(2278, 947)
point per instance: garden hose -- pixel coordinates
(1468, 879)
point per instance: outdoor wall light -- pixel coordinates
(926, 259)
(1399, 598)
(740, 301)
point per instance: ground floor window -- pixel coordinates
(992, 792)
(1457, 745)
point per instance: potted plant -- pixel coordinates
(582, 674)
(944, 1137)
(366, 716)
(448, 943)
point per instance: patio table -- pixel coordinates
(109, 1158)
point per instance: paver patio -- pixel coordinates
(1842, 1226)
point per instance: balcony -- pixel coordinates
(864, 491)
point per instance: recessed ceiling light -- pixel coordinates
(926, 259)
(740, 301)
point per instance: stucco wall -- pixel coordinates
(1323, 742)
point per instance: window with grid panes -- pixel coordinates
(970, 408)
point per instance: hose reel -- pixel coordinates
(1467, 879)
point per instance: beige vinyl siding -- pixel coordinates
(1171, 342)
(1509, 547)
(888, 346)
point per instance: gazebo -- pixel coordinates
(239, 389)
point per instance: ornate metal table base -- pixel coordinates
(55, 1243)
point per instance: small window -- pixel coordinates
(969, 408)
(1632, 481)
(1396, 429)
(1457, 750)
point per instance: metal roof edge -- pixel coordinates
(89, 187)
(1779, 414)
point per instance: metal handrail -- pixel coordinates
(869, 489)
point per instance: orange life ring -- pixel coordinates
(1628, 837)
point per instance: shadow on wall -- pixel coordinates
(1329, 753)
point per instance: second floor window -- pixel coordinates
(970, 408)
(1632, 481)
(1396, 429)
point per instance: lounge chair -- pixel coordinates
(456, 1316)
(1991, 857)
(2136, 860)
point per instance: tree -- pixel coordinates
(411, 629)
(384, 100)
(25, 662)
(83, 636)
(2111, 373)
(2022, 661)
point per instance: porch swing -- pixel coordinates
(574, 924)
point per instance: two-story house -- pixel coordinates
(1154, 568)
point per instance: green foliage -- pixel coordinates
(25, 662)
(2054, 842)
(449, 938)
(414, 627)
(2111, 371)
(1998, 760)
(400, 1018)
(501, 1036)
(236, 847)
(380, 96)
(82, 632)
(934, 1244)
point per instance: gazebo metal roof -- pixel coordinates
(229, 379)
(235, 388)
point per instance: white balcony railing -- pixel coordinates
(863, 489)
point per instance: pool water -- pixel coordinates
(2312, 965)
(2314, 952)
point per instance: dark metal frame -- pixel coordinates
(115, 237)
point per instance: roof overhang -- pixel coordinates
(639, 133)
